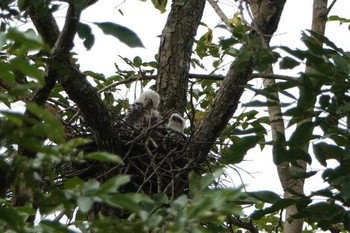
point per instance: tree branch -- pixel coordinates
(229, 94)
(218, 10)
(245, 225)
(330, 7)
(45, 24)
(225, 104)
(62, 68)
(47, 28)
(214, 77)
(64, 43)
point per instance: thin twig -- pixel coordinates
(330, 7)
(218, 11)
(59, 216)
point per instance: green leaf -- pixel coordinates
(73, 183)
(300, 54)
(325, 210)
(22, 89)
(109, 99)
(5, 99)
(326, 41)
(324, 151)
(345, 190)
(95, 76)
(85, 203)
(161, 198)
(26, 68)
(113, 184)
(288, 63)
(279, 205)
(209, 178)
(80, 5)
(313, 45)
(90, 187)
(31, 144)
(29, 39)
(85, 33)
(122, 33)
(194, 184)
(265, 92)
(53, 128)
(302, 135)
(16, 118)
(160, 5)
(324, 101)
(6, 73)
(265, 196)
(292, 155)
(302, 175)
(48, 226)
(23, 4)
(181, 201)
(104, 157)
(236, 152)
(12, 218)
(341, 63)
(137, 61)
(243, 58)
(338, 18)
(256, 103)
(130, 201)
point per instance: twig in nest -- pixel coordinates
(156, 168)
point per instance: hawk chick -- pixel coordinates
(143, 112)
(149, 99)
(176, 123)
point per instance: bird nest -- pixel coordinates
(156, 159)
(153, 149)
(154, 156)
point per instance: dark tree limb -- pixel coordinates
(78, 88)
(213, 77)
(266, 14)
(230, 92)
(60, 67)
(245, 225)
(47, 28)
(225, 104)
(45, 24)
(64, 43)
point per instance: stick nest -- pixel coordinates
(156, 158)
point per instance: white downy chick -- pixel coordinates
(149, 99)
(143, 112)
(176, 123)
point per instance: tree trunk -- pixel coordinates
(319, 19)
(175, 54)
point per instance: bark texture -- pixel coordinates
(175, 53)
(48, 29)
